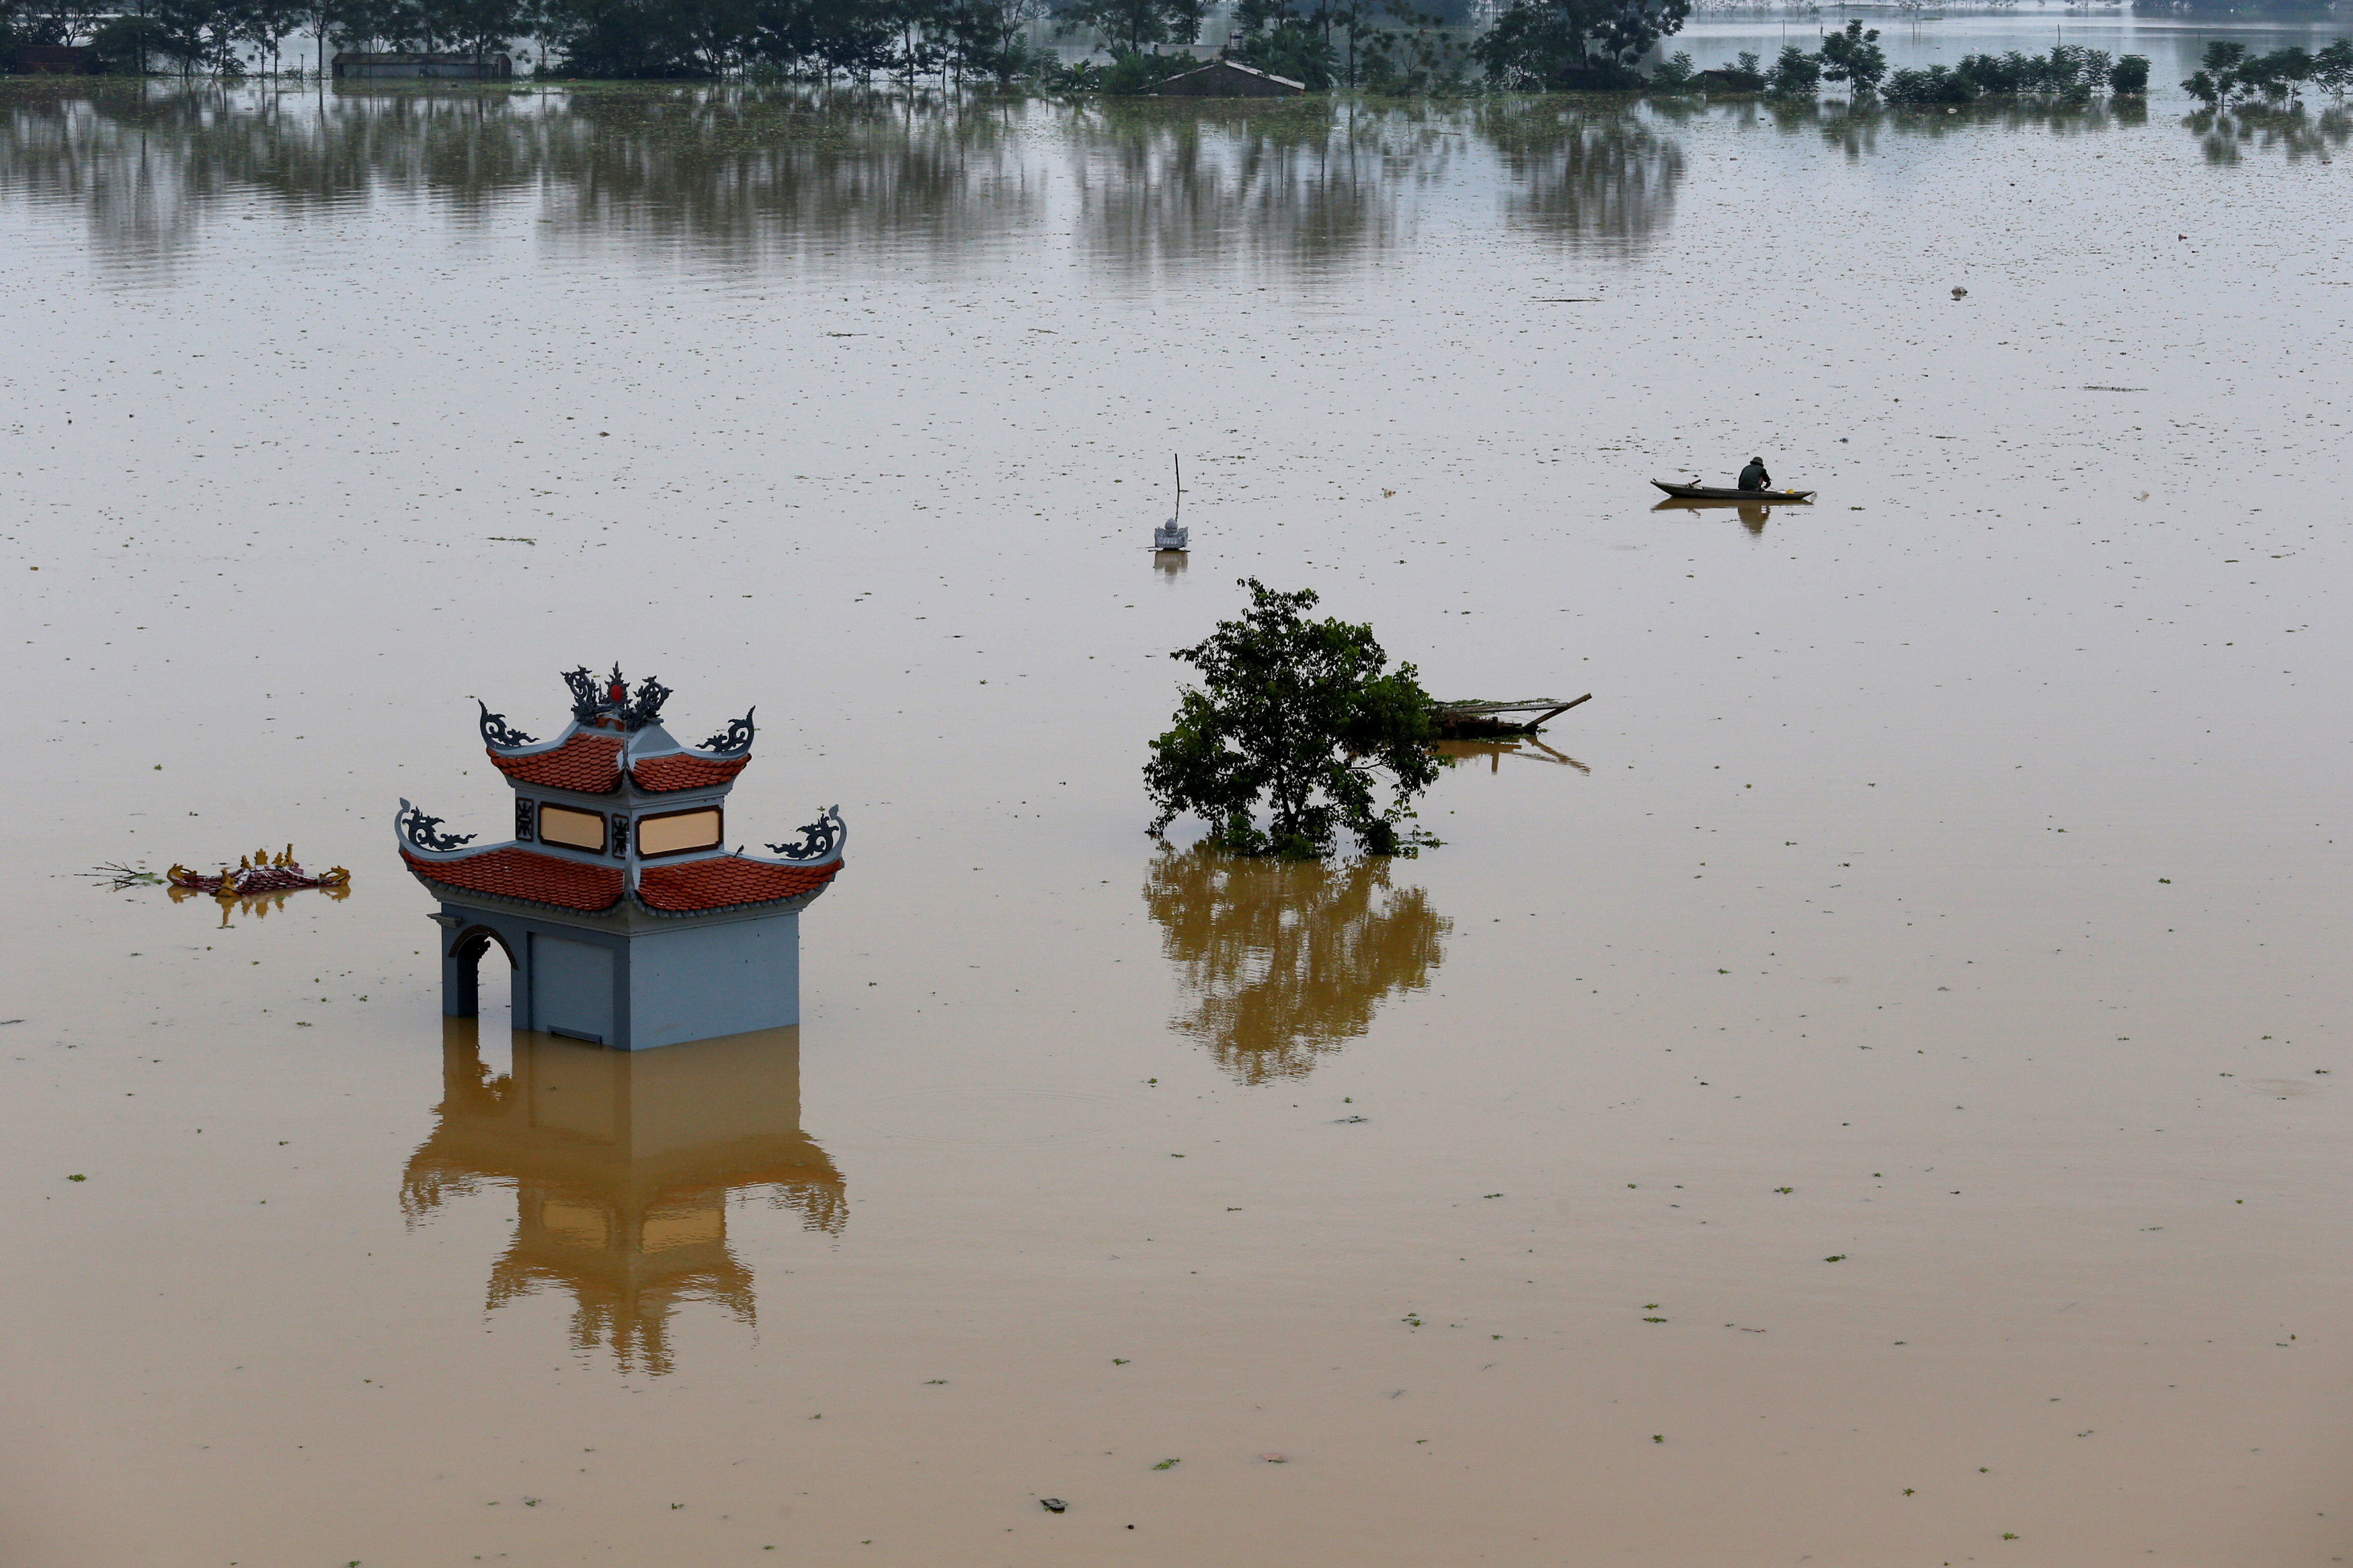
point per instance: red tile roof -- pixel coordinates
(671, 773)
(726, 881)
(525, 874)
(589, 764)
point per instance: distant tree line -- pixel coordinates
(1321, 42)
(2069, 74)
(1852, 58)
(1379, 45)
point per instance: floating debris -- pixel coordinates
(119, 879)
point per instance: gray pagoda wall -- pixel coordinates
(631, 991)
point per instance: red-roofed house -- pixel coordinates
(628, 922)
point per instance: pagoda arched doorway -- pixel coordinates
(461, 971)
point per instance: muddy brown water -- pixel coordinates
(1867, 1090)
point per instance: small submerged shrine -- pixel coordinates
(628, 922)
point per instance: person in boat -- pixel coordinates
(1753, 477)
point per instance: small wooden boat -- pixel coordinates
(1717, 492)
(1476, 721)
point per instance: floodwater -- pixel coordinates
(1869, 1088)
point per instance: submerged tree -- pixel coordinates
(1302, 715)
(1796, 74)
(1576, 44)
(1855, 57)
(1129, 27)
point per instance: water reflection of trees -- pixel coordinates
(2223, 136)
(2227, 136)
(766, 171)
(624, 1165)
(1281, 962)
(779, 174)
(786, 171)
(1300, 184)
(790, 171)
(1855, 128)
(1587, 169)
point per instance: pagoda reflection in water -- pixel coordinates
(624, 1165)
(1285, 960)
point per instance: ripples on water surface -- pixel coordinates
(1947, 878)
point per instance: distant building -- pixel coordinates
(349, 65)
(55, 60)
(1230, 79)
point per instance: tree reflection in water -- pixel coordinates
(740, 174)
(1284, 961)
(1172, 186)
(2227, 136)
(623, 1165)
(786, 176)
(1589, 168)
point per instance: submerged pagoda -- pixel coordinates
(628, 922)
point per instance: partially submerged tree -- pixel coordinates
(1129, 27)
(1796, 74)
(1854, 56)
(1303, 716)
(1554, 45)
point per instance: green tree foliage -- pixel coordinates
(200, 35)
(1854, 56)
(1292, 47)
(1796, 74)
(1300, 717)
(1937, 84)
(2332, 67)
(2066, 73)
(1421, 53)
(1576, 44)
(50, 21)
(1129, 27)
(1680, 73)
(1675, 73)
(2227, 72)
(129, 45)
(1745, 74)
(1385, 44)
(985, 37)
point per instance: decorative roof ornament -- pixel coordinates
(419, 830)
(495, 731)
(738, 737)
(609, 704)
(818, 839)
